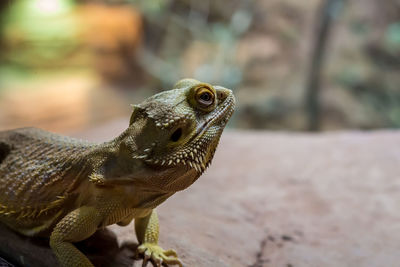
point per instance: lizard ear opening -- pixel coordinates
(135, 112)
(4, 151)
(176, 135)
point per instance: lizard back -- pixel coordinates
(36, 174)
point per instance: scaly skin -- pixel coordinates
(66, 189)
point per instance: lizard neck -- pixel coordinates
(119, 162)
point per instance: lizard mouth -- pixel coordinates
(205, 141)
(221, 116)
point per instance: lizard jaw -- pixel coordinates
(222, 115)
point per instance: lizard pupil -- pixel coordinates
(206, 97)
(176, 135)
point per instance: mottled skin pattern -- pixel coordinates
(66, 189)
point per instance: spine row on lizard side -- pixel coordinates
(29, 211)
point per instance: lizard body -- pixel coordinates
(66, 189)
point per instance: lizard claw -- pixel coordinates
(146, 257)
(158, 255)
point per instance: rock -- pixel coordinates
(271, 199)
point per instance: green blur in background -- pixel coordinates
(321, 65)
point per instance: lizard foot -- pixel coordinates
(158, 255)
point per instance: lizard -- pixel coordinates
(65, 189)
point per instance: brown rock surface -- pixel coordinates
(279, 199)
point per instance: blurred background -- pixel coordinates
(317, 65)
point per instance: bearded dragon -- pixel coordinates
(66, 189)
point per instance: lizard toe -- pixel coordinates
(158, 255)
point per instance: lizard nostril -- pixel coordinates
(221, 95)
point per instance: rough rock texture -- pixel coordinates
(273, 199)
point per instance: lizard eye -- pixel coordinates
(205, 97)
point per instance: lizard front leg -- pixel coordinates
(75, 226)
(147, 231)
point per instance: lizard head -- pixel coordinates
(180, 128)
